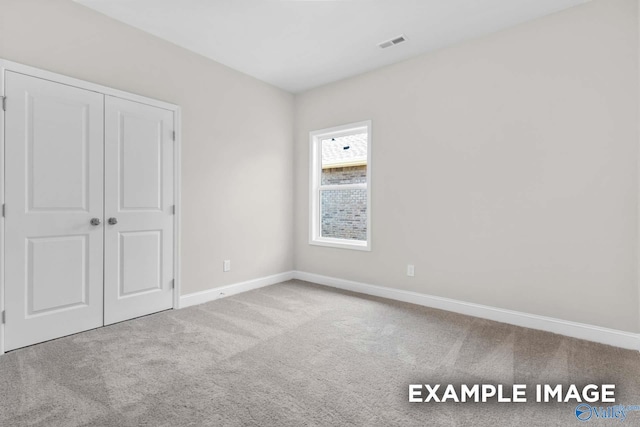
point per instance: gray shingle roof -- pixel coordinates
(335, 153)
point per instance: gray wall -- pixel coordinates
(236, 146)
(504, 168)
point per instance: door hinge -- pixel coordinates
(173, 283)
(3, 210)
(4, 317)
(173, 210)
(173, 135)
(4, 103)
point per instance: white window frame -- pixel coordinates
(315, 185)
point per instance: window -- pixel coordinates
(340, 205)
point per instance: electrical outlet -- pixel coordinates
(411, 271)
(226, 265)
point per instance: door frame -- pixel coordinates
(59, 78)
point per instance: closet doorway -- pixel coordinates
(89, 224)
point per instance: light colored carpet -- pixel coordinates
(297, 354)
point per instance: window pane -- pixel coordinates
(344, 214)
(344, 160)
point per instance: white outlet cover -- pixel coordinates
(411, 270)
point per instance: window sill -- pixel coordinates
(356, 245)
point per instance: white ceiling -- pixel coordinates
(300, 44)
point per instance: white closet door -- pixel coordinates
(54, 187)
(139, 196)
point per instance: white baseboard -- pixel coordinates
(233, 289)
(583, 331)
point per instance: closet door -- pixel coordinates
(54, 210)
(139, 200)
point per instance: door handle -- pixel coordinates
(113, 221)
(95, 221)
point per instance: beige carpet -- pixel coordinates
(297, 354)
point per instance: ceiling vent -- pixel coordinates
(394, 41)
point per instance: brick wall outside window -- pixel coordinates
(344, 212)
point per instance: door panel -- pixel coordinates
(66, 122)
(139, 195)
(140, 262)
(58, 260)
(54, 186)
(141, 163)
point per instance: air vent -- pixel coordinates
(394, 41)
